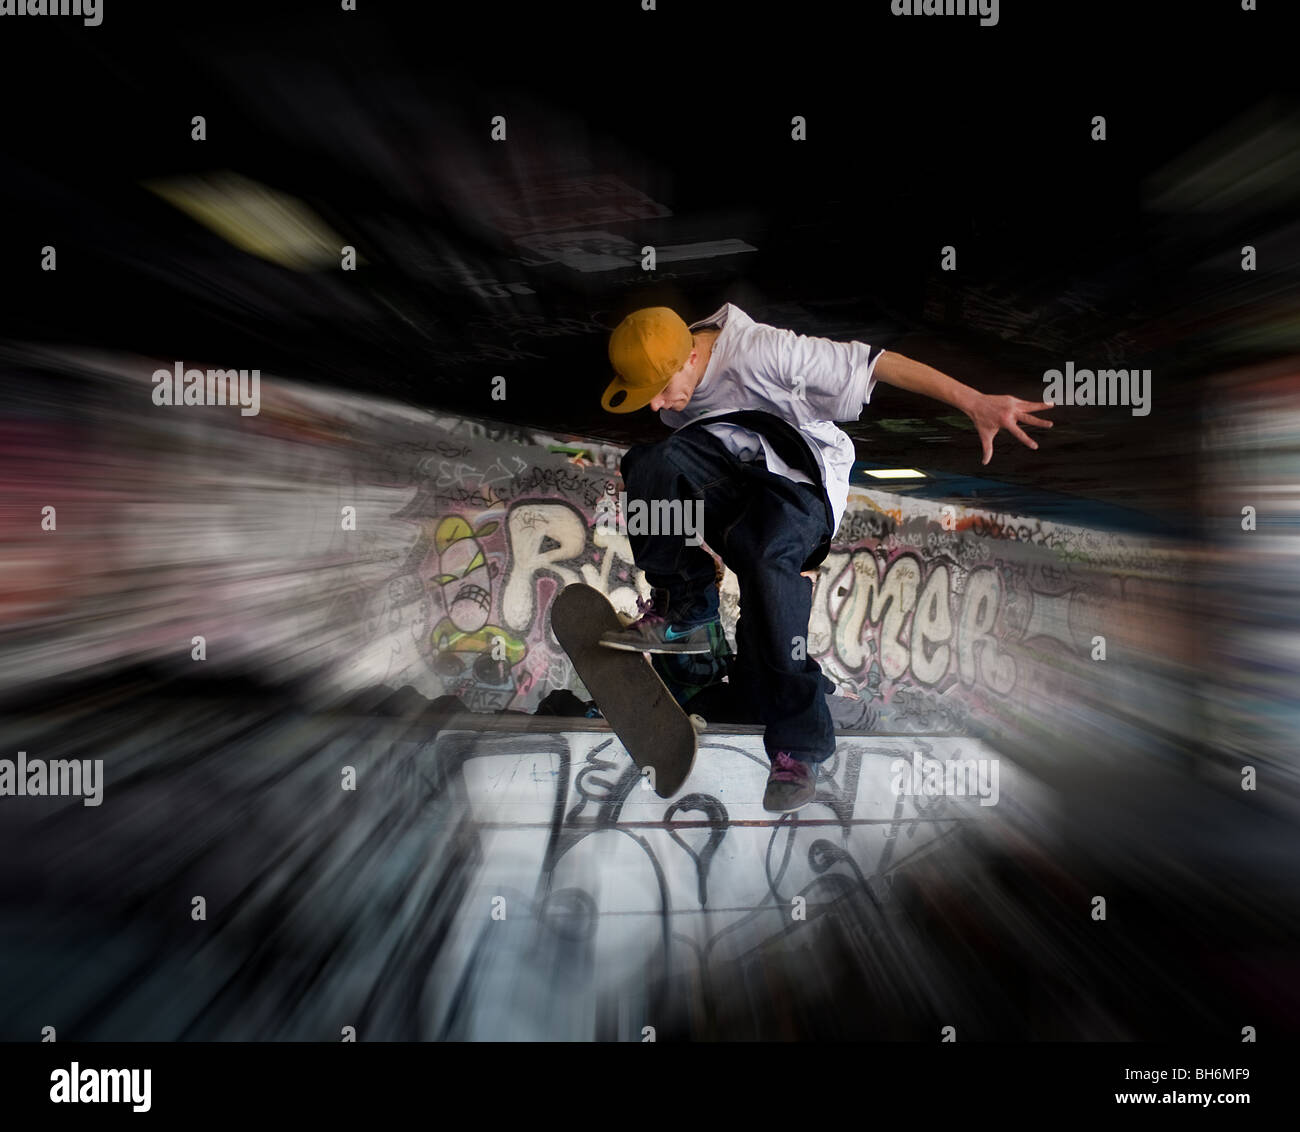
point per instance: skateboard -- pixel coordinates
(631, 696)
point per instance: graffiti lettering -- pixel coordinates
(528, 528)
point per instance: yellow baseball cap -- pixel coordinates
(646, 349)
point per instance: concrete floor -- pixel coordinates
(510, 878)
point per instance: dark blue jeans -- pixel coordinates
(765, 528)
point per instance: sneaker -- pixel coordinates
(686, 675)
(791, 785)
(652, 632)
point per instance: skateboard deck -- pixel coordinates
(638, 707)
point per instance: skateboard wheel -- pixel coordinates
(699, 723)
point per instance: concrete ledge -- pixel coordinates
(558, 724)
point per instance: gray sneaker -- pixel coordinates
(791, 785)
(651, 632)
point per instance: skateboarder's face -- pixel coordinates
(676, 395)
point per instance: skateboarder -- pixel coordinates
(752, 407)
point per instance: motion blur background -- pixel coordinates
(371, 648)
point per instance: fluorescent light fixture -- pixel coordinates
(894, 473)
(255, 218)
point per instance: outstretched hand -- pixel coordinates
(992, 414)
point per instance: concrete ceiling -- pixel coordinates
(515, 258)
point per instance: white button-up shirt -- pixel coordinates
(809, 382)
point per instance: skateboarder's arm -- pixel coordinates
(823, 379)
(917, 377)
(989, 413)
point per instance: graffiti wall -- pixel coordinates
(497, 529)
(605, 891)
(374, 544)
(927, 613)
